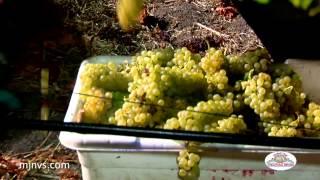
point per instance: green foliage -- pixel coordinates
(303, 4)
(314, 11)
(300, 4)
(263, 1)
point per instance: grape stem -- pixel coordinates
(250, 74)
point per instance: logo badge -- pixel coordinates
(280, 161)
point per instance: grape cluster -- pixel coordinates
(149, 87)
(212, 61)
(183, 83)
(96, 106)
(287, 88)
(177, 80)
(288, 91)
(256, 60)
(104, 76)
(183, 58)
(155, 87)
(232, 124)
(212, 64)
(313, 116)
(143, 107)
(285, 126)
(196, 118)
(185, 76)
(160, 57)
(188, 164)
(218, 81)
(132, 114)
(259, 96)
(283, 131)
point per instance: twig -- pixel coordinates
(14, 176)
(169, 1)
(52, 153)
(71, 161)
(217, 33)
(37, 175)
(24, 153)
(45, 140)
(30, 153)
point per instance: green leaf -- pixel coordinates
(296, 3)
(263, 1)
(314, 11)
(118, 98)
(305, 4)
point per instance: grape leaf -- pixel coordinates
(314, 11)
(296, 3)
(305, 4)
(263, 1)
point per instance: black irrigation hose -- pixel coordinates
(303, 143)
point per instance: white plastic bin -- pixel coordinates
(109, 157)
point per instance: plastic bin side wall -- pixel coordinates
(217, 165)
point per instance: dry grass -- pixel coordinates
(46, 152)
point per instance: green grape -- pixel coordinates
(238, 103)
(237, 86)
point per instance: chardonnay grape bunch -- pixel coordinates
(178, 90)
